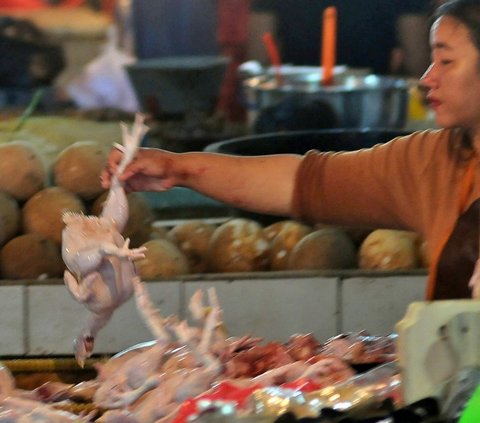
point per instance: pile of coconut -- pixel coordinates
(34, 194)
(244, 245)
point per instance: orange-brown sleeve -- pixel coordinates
(381, 186)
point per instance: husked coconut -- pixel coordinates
(329, 248)
(140, 217)
(163, 260)
(271, 231)
(283, 243)
(356, 234)
(30, 256)
(42, 213)
(387, 249)
(9, 217)
(22, 171)
(77, 168)
(192, 238)
(238, 245)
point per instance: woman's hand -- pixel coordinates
(150, 170)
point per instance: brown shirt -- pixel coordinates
(410, 183)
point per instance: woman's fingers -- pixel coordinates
(105, 179)
(113, 159)
(146, 172)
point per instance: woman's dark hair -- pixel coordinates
(466, 12)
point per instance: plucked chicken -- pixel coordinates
(99, 261)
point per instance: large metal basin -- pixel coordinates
(299, 142)
(357, 101)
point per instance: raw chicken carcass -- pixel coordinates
(145, 382)
(162, 403)
(15, 406)
(139, 372)
(360, 348)
(15, 409)
(99, 261)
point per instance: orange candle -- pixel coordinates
(273, 55)
(329, 44)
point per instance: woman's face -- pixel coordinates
(453, 77)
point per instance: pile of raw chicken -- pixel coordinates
(160, 380)
(157, 381)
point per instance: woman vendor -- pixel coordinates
(427, 182)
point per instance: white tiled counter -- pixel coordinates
(54, 318)
(13, 320)
(41, 318)
(275, 308)
(377, 303)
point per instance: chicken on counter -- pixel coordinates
(24, 406)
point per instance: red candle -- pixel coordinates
(329, 44)
(274, 56)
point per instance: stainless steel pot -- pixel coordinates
(358, 101)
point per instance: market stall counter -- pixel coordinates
(41, 318)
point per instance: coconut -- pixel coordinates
(357, 234)
(192, 238)
(77, 168)
(285, 240)
(43, 212)
(30, 256)
(271, 231)
(163, 260)
(389, 250)
(238, 245)
(329, 248)
(22, 171)
(9, 217)
(140, 217)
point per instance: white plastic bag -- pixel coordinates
(104, 81)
